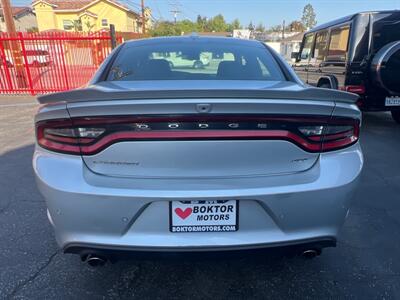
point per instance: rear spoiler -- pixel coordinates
(98, 94)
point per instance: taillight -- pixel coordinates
(356, 89)
(63, 136)
(338, 134)
(90, 135)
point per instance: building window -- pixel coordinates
(68, 25)
(75, 25)
(104, 22)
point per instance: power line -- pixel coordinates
(175, 9)
(158, 9)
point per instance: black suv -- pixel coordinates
(360, 54)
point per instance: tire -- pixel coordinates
(396, 116)
(198, 65)
(385, 68)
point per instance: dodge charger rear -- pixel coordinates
(156, 156)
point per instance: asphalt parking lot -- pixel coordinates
(365, 264)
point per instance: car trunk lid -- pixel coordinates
(196, 138)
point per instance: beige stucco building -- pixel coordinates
(24, 19)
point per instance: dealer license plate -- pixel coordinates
(204, 216)
(392, 101)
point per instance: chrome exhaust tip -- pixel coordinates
(95, 261)
(310, 253)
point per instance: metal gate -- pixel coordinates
(36, 63)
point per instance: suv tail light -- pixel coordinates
(90, 135)
(356, 89)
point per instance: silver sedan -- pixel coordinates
(156, 156)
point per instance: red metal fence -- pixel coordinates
(35, 63)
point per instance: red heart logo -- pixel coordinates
(183, 214)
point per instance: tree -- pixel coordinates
(251, 26)
(296, 26)
(236, 24)
(164, 28)
(217, 24)
(186, 26)
(32, 29)
(89, 26)
(201, 23)
(276, 28)
(309, 17)
(260, 27)
(77, 25)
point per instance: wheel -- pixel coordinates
(396, 116)
(198, 64)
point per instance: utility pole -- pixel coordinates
(175, 12)
(14, 45)
(283, 30)
(143, 19)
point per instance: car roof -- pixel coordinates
(193, 38)
(348, 19)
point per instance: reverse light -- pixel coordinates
(312, 130)
(90, 132)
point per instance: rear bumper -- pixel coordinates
(116, 253)
(90, 211)
(375, 103)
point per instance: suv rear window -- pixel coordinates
(338, 44)
(385, 33)
(194, 60)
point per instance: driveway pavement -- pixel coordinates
(365, 265)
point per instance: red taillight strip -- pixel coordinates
(317, 138)
(196, 134)
(68, 139)
(58, 146)
(338, 144)
(91, 146)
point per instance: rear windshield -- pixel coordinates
(194, 61)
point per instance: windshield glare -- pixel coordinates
(194, 61)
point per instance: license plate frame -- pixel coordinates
(188, 222)
(392, 101)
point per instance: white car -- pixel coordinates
(35, 58)
(179, 60)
